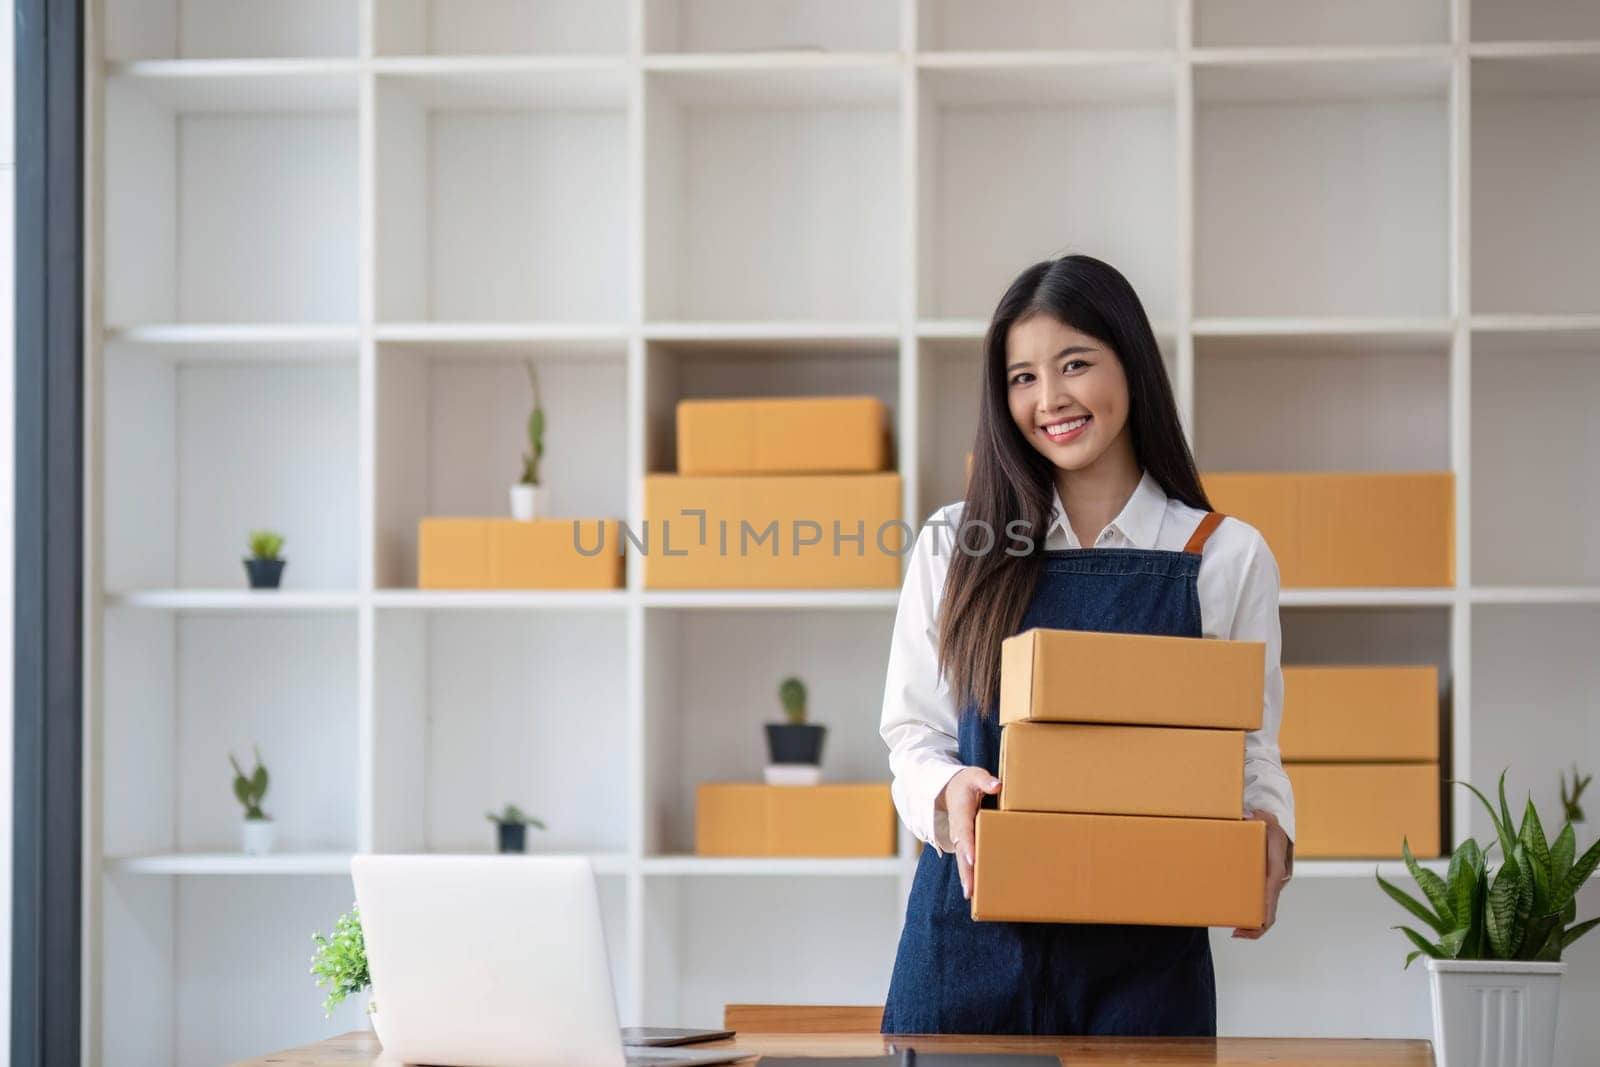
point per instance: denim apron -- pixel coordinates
(953, 975)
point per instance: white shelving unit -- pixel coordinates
(324, 234)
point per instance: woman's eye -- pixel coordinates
(1022, 379)
(1073, 364)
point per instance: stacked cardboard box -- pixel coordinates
(1122, 781)
(749, 819)
(776, 494)
(1361, 745)
(518, 554)
(1348, 530)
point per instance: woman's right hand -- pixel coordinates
(962, 796)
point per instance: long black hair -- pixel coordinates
(986, 593)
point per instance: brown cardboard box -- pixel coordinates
(1119, 869)
(790, 435)
(1343, 530)
(1360, 714)
(1131, 679)
(1356, 810)
(516, 554)
(1122, 770)
(748, 819)
(774, 532)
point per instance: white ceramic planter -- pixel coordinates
(257, 836)
(529, 502)
(1494, 1013)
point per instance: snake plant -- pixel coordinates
(1523, 911)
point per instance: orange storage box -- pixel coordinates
(824, 531)
(516, 554)
(1360, 714)
(1032, 867)
(750, 819)
(1364, 811)
(1122, 770)
(788, 435)
(1080, 676)
(1348, 530)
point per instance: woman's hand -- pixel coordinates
(1280, 867)
(961, 797)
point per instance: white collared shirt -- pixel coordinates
(1238, 592)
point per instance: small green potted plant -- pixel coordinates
(1572, 804)
(265, 563)
(794, 746)
(529, 497)
(340, 963)
(1497, 938)
(257, 829)
(512, 825)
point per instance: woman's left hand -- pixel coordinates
(1280, 867)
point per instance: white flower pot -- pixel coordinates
(1494, 1013)
(257, 836)
(529, 502)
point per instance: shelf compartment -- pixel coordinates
(175, 29)
(1534, 446)
(183, 692)
(452, 429)
(711, 681)
(835, 944)
(477, 710)
(500, 196)
(501, 27)
(185, 937)
(756, 368)
(1535, 704)
(1307, 23)
(1365, 144)
(1021, 25)
(197, 455)
(230, 197)
(231, 863)
(773, 195)
(1534, 20)
(736, 26)
(1273, 403)
(1100, 162)
(1535, 166)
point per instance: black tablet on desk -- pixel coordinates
(663, 1036)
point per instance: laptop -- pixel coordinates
(494, 961)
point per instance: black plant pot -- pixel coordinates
(264, 573)
(787, 743)
(513, 837)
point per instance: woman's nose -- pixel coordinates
(1055, 394)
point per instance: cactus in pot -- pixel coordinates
(794, 741)
(257, 830)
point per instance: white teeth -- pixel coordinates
(1065, 427)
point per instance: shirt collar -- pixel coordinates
(1139, 520)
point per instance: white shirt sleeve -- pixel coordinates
(920, 718)
(1255, 618)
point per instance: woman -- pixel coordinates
(1078, 444)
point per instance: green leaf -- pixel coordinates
(1567, 891)
(1500, 913)
(1502, 830)
(1462, 880)
(258, 782)
(1562, 854)
(1414, 906)
(1432, 886)
(241, 790)
(1575, 932)
(1451, 943)
(1549, 950)
(1533, 840)
(1411, 956)
(1505, 809)
(1426, 947)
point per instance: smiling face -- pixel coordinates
(1067, 392)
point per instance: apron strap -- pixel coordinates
(1197, 540)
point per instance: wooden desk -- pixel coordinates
(361, 1049)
